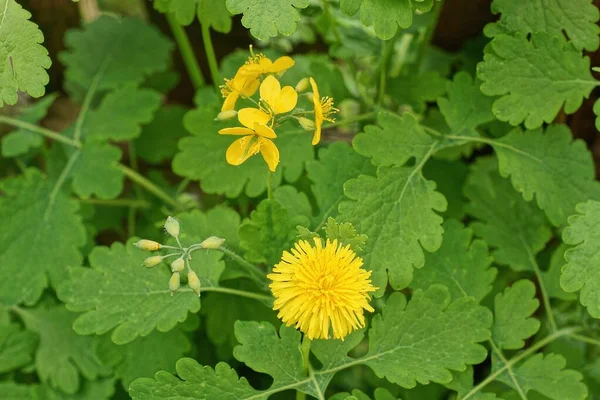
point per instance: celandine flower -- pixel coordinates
(322, 290)
(323, 109)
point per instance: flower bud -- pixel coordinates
(310, 96)
(194, 282)
(172, 227)
(149, 245)
(226, 115)
(212, 242)
(174, 282)
(177, 265)
(306, 124)
(302, 85)
(152, 261)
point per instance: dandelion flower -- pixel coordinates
(321, 290)
(323, 109)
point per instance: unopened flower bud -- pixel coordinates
(306, 124)
(149, 245)
(152, 261)
(174, 282)
(177, 265)
(194, 282)
(302, 85)
(172, 227)
(310, 96)
(226, 115)
(212, 242)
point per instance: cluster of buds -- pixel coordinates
(183, 255)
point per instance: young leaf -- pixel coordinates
(513, 310)
(552, 276)
(337, 164)
(24, 59)
(62, 354)
(16, 347)
(515, 228)
(345, 234)
(96, 171)
(36, 220)
(581, 270)
(396, 210)
(158, 141)
(534, 78)
(118, 292)
(577, 18)
(462, 264)
(550, 165)
(267, 18)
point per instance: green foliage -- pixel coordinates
(158, 139)
(210, 12)
(345, 234)
(24, 59)
(16, 347)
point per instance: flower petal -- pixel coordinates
(242, 149)
(270, 153)
(230, 100)
(281, 64)
(238, 130)
(317, 135)
(270, 90)
(264, 131)
(251, 86)
(250, 116)
(288, 98)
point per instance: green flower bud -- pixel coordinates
(152, 261)
(226, 115)
(172, 227)
(174, 282)
(194, 282)
(149, 245)
(303, 85)
(177, 265)
(306, 124)
(212, 242)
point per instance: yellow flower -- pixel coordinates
(257, 138)
(321, 290)
(247, 79)
(323, 109)
(278, 100)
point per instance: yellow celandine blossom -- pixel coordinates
(323, 109)
(257, 138)
(321, 289)
(277, 100)
(247, 79)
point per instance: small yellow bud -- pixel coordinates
(302, 85)
(177, 265)
(149, 245)
(174, 282)
(306, 124)
(311, 97)
(226, 115)
(212, 242)
(152, 261)
(172, 227)
(194, 282)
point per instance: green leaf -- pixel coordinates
(158, 141)
(110, 53)
(62, 354)
(550, 165)
(267, 18)
(16, 347)
(552, 276)
(462, 264)
(416, 91)
(121, 114)
(219, 221)
(345, 234)
(184, 10)
(24, 59)
(145, 355)
(462, 383)
(350, 7)
(597, 112)
(215, 14)
(337, 164)
(19, 142)
(513, 310)
(580, 273)
(380, 394)
(296, 203)
(534, 78)
(14, 391)
(546, 375)
(450, 177)
(118, 292)
(270, 230)
(394, 141)
(96, 171)
(515, 228)
(396, 210)
(577, 18)
(36, 221)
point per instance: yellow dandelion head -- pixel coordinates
(321, 290)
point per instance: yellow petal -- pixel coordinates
(264, 131)
(288, 98)
(315, 89)
(316, 136)
(281, 64)
(242, 149)
(269, 91)
(250, 116)
(251, 87)
(230, 100)
(270, 153)
(236, 131)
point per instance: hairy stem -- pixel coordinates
(38, 129)
(149, 186)
(387, 51)
(185, 48)
(134, 203)
(305, 349)
(210, 55)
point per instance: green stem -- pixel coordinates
(185, 48)
(332, 21)
(117, 203)
(149, 186)
(38, 129)
(258, 277)
(387, 51)
(270, 186)
(510, 371)
(305, 350)
(87, 101)
(492, 377)
(241, 293)
(210, 55)
(585, 339)
(437, 8)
